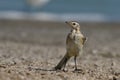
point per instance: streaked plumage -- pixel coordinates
(74, 44)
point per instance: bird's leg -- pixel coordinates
(75, 63)
(75, 60)
(64, 67)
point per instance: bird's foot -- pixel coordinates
(65, 70)
(78, 70)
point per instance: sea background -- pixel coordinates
(61, 10)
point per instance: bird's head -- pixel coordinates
(73, 24)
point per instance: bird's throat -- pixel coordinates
(75, 31)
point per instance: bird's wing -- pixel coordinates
(84, 40)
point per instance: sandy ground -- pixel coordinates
(29, 50)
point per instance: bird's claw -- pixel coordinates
(65, 70)
(77, 70)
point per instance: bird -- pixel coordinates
(74, 45)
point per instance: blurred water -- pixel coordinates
(85, 10)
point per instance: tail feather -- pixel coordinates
(62, 62)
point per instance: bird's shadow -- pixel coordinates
(40, 69)
(52, 70)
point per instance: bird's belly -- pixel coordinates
(74, 49)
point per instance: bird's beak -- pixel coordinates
(69, 23)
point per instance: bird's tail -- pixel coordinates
(62, 62)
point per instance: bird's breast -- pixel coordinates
(74, 45)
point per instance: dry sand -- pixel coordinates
(29, 50)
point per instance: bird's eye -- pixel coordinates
(74, 24)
